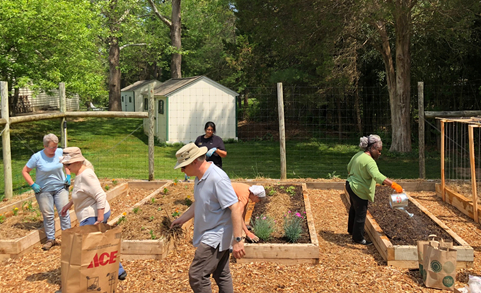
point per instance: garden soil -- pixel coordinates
(343, 267)
(282, 201)
(398, 226)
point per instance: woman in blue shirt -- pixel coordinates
(50, 186)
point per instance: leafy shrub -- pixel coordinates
(293, 226)
(263, 227)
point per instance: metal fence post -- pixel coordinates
(7, 155)
(63, 109)
(282, 132)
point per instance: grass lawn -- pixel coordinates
(118, 148)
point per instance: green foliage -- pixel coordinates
(152, 200)
(291, 190)
(121, 219)
(136, 210)
(333, 175)
(293, 226)
(45, 42)
(15, 211)
(2, 219)
(188, 201)
(263, 227)
(152, 235)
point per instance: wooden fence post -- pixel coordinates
(63, 109)
(151, 130)
(7, 155)
(422, 161)
(473, 172)
(282, 133)
(443, 181)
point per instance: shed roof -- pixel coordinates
(175, 84)
(138, 84)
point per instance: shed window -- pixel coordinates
(146, 104)
(130, 99)
(161, 106)
(122, 98)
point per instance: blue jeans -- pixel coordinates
(46, 201)
(91, 221)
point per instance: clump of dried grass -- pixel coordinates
(172, 234)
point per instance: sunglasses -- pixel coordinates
(67, 165)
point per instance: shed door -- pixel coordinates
(161, 119)
(127, 100)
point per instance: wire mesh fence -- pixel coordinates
(322, 128)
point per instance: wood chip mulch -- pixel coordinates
(343, 267)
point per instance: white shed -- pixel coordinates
(132, 97)
(183, 106)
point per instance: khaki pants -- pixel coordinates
(210, 261)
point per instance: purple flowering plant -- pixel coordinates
(263, 227)
(293, 226)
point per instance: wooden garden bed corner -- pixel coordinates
(148, 249)
(406, 256)
(284, 253)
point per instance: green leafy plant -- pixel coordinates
(333, 175)
(270, 191)
(152, 235)
(28, 205)
(175, 213)
(176, 181)
(114, 182)
(107, 187)
(122, 219)
(136, 210)
(151, 218)
(165, 190)
(142, 228)
(152, 200)
(263, 227)
(291, 190)
(2, 219)
(159, 209)
(188, 201)
(186, 186)
(15, 211)
(293, 226)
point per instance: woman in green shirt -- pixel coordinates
(363, 174)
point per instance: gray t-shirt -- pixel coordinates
(213, 195)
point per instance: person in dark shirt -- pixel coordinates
(215, 145)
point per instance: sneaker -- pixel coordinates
(49, 244)
(363, 242)
(123, 276)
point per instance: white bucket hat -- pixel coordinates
(257, 190)
(187, 154)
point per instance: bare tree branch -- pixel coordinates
(160, 16)
(128, 45)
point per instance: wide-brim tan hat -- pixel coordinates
(71, 155)
(188, 153)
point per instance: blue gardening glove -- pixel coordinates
(67, 179)
(36, 188)
(210, 152)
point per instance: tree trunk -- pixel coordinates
(114, 78)
(400, 102)
(175, 36)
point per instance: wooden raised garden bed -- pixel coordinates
(159, 248)
(405, 255)
(284, 253)
(462, 203)
(11, 248)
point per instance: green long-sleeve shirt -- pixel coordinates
(363, 174)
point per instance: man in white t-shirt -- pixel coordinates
(217, 221)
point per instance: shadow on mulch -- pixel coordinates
(52, 276)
